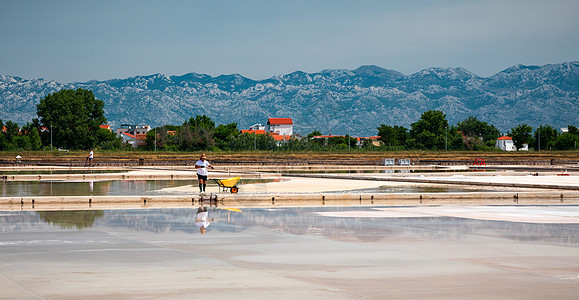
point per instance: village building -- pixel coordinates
(280, 129)
(505, 143)
(133, 129)
(280, 139)
(134, 135)
(257, 127)
(135, 140)
(281, 126)
(375, 140)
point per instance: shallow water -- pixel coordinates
(102, 187)
(50, 172)
(87, 188)
(282, 253)
(370, 171)
(293, 220)
(155, 187)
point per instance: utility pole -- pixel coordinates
(50, 137)
(445, 138)
(539, 131)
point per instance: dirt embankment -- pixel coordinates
(290, 158)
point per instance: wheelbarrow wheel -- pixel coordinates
(234, 190)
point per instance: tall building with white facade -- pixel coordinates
(281, 126)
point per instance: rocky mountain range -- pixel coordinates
(331, 101)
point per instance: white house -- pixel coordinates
(257, 126)
(128, 138)
(281, 126)
(133, 129)
(505, 143)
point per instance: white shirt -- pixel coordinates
(201, 220)
(204, 164)
(91, 154)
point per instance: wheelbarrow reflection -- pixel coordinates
(202, 220)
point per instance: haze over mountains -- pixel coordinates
(331, 101)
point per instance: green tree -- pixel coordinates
(476, 130)
(314, 133)
(3, 140)
(521, 135)
(454, 139)
(224, 134)
(566, 141)
(74, 117)
(107, 140)
(166, 137)
(392, 135)
(546, 135)
(197, 134)
(367, 144)
(430, 131)
(33, 134)
(7, 131)
(12, 130)
(249, 141)
(202, 121)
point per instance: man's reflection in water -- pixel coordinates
(202, 219)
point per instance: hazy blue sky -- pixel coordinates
(72, 40)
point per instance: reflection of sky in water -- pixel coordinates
(100, 188)
(422, 189)
(87, 188)
(147, 187)
(50, 172)
(369, 171)
(299, 221)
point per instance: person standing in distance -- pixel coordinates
(201, 165)
(90, 157)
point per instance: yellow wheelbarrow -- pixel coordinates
(229, 183)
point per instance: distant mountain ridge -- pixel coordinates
(331, 101)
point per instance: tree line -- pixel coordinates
(432, 132)
(71, 119)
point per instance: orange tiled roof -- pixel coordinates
(253, 131)
(128, 134)
(279, 137)
(326, 136)
(280, 121)
(505, 138)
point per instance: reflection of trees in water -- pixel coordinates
(78, 219)
(303, 221)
